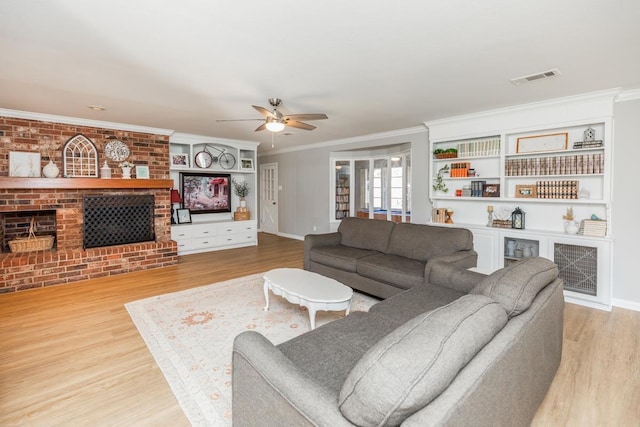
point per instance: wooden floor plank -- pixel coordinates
(70, 354)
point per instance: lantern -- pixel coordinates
(517, 219)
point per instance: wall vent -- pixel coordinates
(538, 76)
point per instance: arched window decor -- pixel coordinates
(80, 157)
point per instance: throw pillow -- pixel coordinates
(411, 366)
(516, 285)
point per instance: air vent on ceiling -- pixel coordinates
(538, 76)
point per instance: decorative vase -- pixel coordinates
(571, 227)
(51, 170)
(243, 202)
(105, 171)
(511, 247)
(526, 252)
(126, 173)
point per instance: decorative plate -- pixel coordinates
(116, 150)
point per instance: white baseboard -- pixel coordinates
(291, 236)
(629, 305)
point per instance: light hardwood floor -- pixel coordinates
(70, 355)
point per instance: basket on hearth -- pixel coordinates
(31, 242)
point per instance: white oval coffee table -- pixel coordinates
(307, 289)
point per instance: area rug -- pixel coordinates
(190, 335)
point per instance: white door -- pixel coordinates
(269, 198)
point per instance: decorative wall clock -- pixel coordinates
(116, 150)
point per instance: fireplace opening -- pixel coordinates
(15, 225)
(117, 220)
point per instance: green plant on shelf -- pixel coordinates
(240, 188)
(440, 185)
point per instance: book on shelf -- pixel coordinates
(593, 227)
(439, 215)
(476, 188)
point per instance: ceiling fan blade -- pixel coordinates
(261, 127)
(264, 111)
(313, 116)
(299, 125)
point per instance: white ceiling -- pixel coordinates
(372, 66)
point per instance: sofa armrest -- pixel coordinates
(268, 389)
(460, 259)
(314, 240)
(452, 276)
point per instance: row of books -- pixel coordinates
(476, 188)
(588, 144)
(591, 227)
(485, 147)
(557, 189)
(557, 165)
(439, 215)
(459, 169)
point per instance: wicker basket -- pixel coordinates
(27, 244)
(446, 155)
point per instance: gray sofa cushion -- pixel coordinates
(401, 272)
(370, 234)
(423, 242)
(412, 365)
(516, 285)
(340, 257)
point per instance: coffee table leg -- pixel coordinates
(266, 294)
(312, 315)
(346, 313)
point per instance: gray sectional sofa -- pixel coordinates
(464, 349)
(383, 258)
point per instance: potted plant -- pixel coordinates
(241, 189)
(440, 186)
(445, 153)
(126, 169)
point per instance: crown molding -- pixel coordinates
(610, 93)
(82, 122)
(628, 95)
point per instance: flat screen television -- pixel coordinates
(206, 192)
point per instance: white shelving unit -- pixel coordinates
(215, 231)
(535, 170)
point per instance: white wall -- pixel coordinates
(304, 177)
(304, 200)
(625, 201)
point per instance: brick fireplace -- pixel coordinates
(61, 200)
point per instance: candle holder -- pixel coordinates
(490, 216)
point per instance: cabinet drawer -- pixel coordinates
(237, 227)
(204, 232)
(180, 233)
(233, 239)
(203, 242)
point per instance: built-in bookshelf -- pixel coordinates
(542, 160)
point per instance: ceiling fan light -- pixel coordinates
(275, 126)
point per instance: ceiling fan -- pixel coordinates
(275, 121)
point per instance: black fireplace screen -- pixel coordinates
(117, 220)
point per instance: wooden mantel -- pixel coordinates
(14, 183)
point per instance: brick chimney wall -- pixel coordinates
(69, 262)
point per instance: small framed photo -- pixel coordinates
(527, 191)
(184, 216)
(246, 164)
(179, 161)
(491, 190)
(142, 172)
